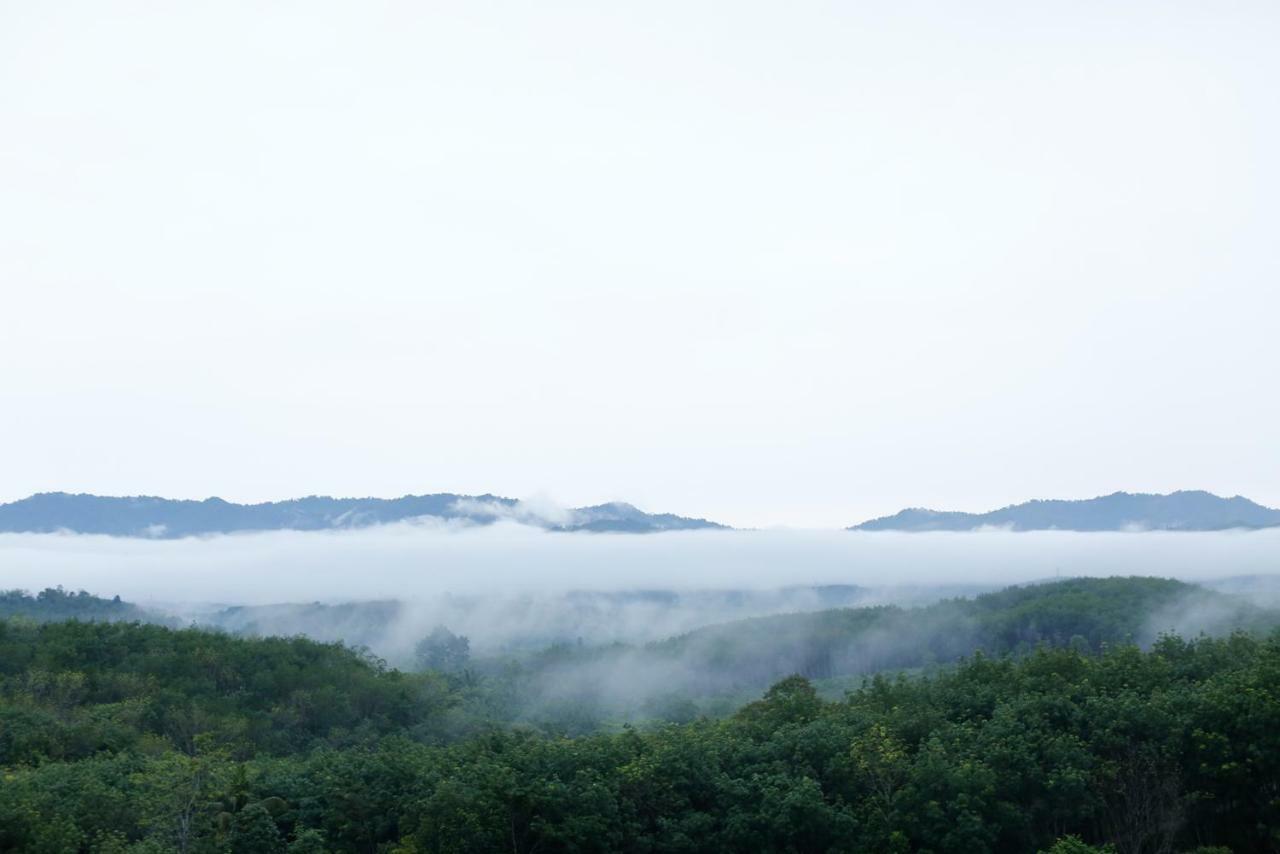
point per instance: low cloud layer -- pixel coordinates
(411, 561)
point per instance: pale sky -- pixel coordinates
(769, 263)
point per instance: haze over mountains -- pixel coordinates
(1192, 510)
(163, 518)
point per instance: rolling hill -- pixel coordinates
(164, 518)
(1192, 510)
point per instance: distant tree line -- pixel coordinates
(54, 603)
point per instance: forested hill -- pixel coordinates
(124, 738)
(55, 604)
(1192, 510)
(709, 666)
(147, 516)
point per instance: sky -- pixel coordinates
(794, 264)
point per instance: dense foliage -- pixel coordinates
(127, 737)
(75, 689)
(54, 603)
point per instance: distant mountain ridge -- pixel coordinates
(164, 518)
(1189, 510)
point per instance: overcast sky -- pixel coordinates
(770, 263)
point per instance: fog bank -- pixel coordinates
(412, 561)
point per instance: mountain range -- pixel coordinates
(164, 518)
(1190, 510)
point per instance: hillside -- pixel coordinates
(738, 658)
(1121, 511)
(55, 604)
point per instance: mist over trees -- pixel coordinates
(442, 651)
(1048, 717)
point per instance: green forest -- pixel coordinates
(1060, 717)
